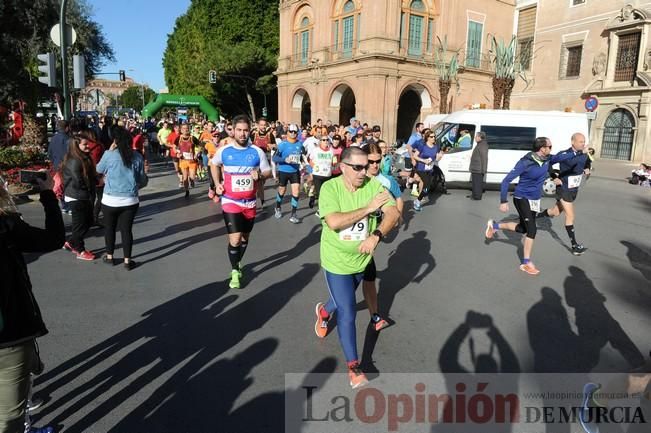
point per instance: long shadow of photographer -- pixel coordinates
(485, 368)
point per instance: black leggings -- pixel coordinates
(99, 192)
(527, 217)
(122, 218)
(82, 220)
(428, 180)
(318, 181)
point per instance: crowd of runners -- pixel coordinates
(346, 172)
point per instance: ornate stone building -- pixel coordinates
(374, 59)
(98, 93)
(591, 48)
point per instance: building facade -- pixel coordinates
(374, 59)
(580, 49)
(99, 94)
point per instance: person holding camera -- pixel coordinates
(20, 317)
(79, 181)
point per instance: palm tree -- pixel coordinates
(507, 68)
(448, 72)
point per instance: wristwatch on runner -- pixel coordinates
(379, 234)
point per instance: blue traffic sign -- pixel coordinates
(591, 103)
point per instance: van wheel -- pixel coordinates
(549, 187)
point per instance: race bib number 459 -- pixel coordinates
(242, 183)
(356, 232)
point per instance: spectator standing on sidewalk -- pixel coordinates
(56, 151)
(479, 166)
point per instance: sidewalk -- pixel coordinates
(614, 169)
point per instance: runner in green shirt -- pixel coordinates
(350, 234)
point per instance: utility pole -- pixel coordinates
(64, 59)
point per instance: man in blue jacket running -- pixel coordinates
(532, 169)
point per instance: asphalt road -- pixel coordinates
(168, 347)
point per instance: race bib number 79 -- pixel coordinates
(356, 232)
(242, 183)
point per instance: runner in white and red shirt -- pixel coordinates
(237, 169)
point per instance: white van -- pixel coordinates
(510, 135)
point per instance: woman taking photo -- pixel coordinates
(124, 175)
(21, 318)
(79, 179)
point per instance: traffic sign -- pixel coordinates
(55, 34)
(591, 103)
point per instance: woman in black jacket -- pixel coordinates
(20, 317)
(79, 178)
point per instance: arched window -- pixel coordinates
(416, 29)
(346, 28)
(302, 36)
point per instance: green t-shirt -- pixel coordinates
(339, 253)
(163, 134)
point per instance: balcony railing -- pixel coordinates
(422, 53)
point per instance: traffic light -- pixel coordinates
(212, 77)
(123, 77)
(48, 68)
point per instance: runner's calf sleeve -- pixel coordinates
(294, 202)
(234, 255)
(243, 246)
(571, 234)
(279, 199)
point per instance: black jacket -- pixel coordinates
(74, 183)
(21, 317)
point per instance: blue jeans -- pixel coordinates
(342, 300)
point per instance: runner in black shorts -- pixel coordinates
(568, 181)
(532, 169)
(237, 169)
(288, 161)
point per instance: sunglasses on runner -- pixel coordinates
(357, 167)
(324, 139)
(374, 161)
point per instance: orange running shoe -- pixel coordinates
(357, 376)
(530, 269)
(321, 325)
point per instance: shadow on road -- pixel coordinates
(178, 343)
(557, 348)
(478, 326)
(398, 274)
(640, 259)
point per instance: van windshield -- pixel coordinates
(454, 137)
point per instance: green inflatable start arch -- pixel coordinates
(165, 99)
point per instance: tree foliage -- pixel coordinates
(132, 97)
(25, 32)
(236, 38)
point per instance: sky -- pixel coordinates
(137, 30)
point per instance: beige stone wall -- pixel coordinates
(558, 23)
(380, 70)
